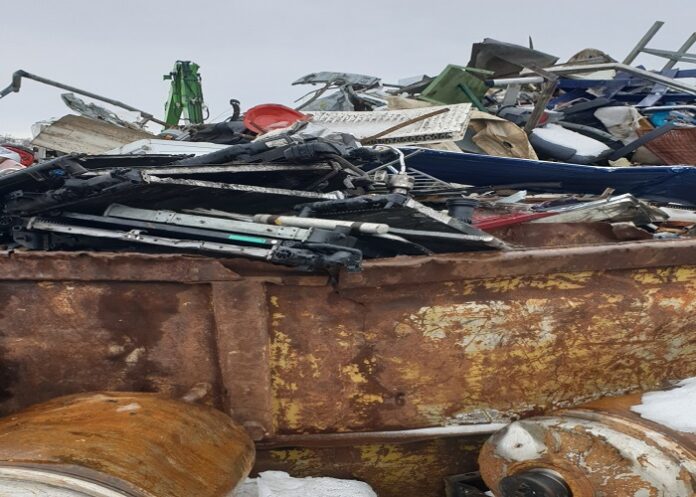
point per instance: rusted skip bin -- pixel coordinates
(122, 444)
(599, 449)
(408, 343)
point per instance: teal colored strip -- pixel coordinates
(248, 239)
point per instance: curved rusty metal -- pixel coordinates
(130, 444)
(600, 448)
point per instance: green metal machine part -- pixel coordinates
(185, 95)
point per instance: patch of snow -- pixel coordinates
(281, 484)
(671, 408)
(518, 444)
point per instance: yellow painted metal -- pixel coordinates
(416, 468)
(475, 350)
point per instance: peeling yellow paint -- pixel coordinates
(292, 411)
(282, 353)
(368, 399)
(614, 299)
(558, 281)
(675, 304)
(517, 345)
(314, 365)
(410, 470)
(682, 274)
(434, 413)
(482, 325)
(354, 374)
(393, 465)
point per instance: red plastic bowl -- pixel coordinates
(267, 117)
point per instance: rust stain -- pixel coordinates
(131, 339)
(429, 354)
(118, 440)
(393, 470)
(601, 448)
(70, 337)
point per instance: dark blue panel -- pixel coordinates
(657, 183)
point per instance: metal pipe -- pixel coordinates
(17, 83)
(331, 224)
(659, 108)
(376, 437)
(399, 153)
(138, 236)
(547, 90)
(682, 50)
(672, 56)
(579, 69)
(643, 42)
(519, 80)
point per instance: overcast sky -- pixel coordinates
(253, 50)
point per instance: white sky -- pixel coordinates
(253, 50)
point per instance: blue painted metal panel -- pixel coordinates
(657, 183)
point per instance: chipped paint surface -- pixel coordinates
(394, 470)
(404, 353)
(429, 354)
(480, 324)
(599, 449)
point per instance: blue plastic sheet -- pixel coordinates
(657, 183)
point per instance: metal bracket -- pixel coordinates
(672, 57)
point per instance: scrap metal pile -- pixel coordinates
(363, 169)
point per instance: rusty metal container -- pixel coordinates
(409, 343)
(602, 448)
(122, 445)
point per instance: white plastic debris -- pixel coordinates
(671, 408)
(280, 484)
(622, 122)
(149, 146)
(583, 145)
(9, 154)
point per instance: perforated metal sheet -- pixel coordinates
(449, 125)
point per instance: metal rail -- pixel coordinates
(579, 69)
(17, 84)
